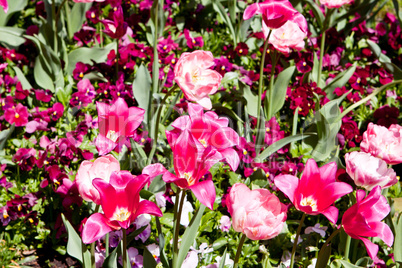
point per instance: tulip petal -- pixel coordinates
(251, 11)
(231, 157)
(372, 249)
(288, 185)
(328, 172)
(104, 145)
(205, 192)
(224, 137)
(331, 213)
(147, 207)
(383, 231)
(205, 103)
(95, 228)
(154, 170)
(108, 196)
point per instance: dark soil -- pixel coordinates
(50, 258)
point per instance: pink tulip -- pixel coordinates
(256, 213)
(363, 219)
(191, 162)
(4, 4)
(288, 36)
(335, 3)
(117, 122)
(194, 77)
(368, 171)
(316, 191)
(210, 130)
(275, 13)
(383, 143)
(121, 205)
(101, 168)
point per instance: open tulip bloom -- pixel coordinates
(117, 122)
(316, 190)
(363, 220)
(120, 201)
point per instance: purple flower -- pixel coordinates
(225, 223)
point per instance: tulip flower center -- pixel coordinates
(309, 201)
(121, 215)
(190, 180)
(112, 135)
(203, 142)
(195, 76)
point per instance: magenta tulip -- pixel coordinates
(257, 213)
(384, 143)
(117, 122)
(121, 205)
(4, 4)
(191, 162)
(101, 168)
(210, 130)
(363, 220)
(368, 171)
(316, 191)
(194, 77)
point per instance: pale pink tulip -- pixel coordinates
(335, 3)
(4, 4)
(288, 36)
(257, 213)
(194, 77)
(383, 143)
(101, 168)
(368, 171)
(316, 191)
(363, 220)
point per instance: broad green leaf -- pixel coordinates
(260, 135)
(149, 260)
(323, 257)
(398, 11)
(21, 77)
(142, 89)
(349, 265)
(251, 99)
(314, 72)
(279, 144)
(157, 185)
(13, 7)
(398, 240)
(229, 77)
(4, 135)
(75, 247)
(78, 17)
(189, 235)
(12, 36)
(111, 260)
(42, 75)
(339, 81)
(280, 89)
(139, 155)
(87, 55)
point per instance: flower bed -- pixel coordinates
(200, 133)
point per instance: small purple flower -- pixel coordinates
(115, 237)
(225, 223)
(316, 229)
(136, 260)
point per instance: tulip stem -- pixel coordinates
(238, 252)
(327, 242)
(124, 248)
(178, 205)
(292, 260)
(347, 248)
(321, 59)
(107, 245)
(274, 60)
(260, 86)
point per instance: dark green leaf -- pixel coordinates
(13, 7)
(220, 242)
(323, 257)
(149, 260)
(111, 260)
(339, 81)
(318, 15)
(78, 17)
(218, 7)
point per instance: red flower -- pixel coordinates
(17, 115)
